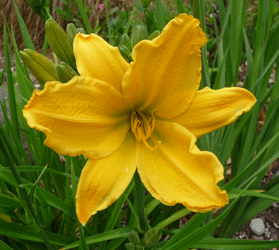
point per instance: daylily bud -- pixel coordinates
(60, 43)
(65, 72)
(81, 30)
(126, 53)
(140, 34)
(1, 76)
(152, 237)
(134, 237)
(130, 246)
(5, 217)
(154, 35)
(40, 66)
(125, 40)
(14, 76)
(71, 32)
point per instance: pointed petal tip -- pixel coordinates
(103, 181)
(83, 210)
(252, 97)
(84, 217)
(178, 172)
(212, 109)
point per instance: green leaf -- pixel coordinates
(10, 83)
(160, 14)
(182, 241)
(239, 176)
(1, 76)
(37, 7)
(113, 234)
(25, 85)
(82, 241)
(272, 45)
(8, 146)
(23, 29)
(7, 176)
(18, 231)
(28, 169)
(191, 226)
(179, 6)
(117, 208)
(54, 201)
(218, 243)
(84, 16)
(31, 192)
(176, 216)
(237, 19)
(250, 60)
(236, 191)
(7, 201)
(253, 208)
(4, 246)
(109, 26)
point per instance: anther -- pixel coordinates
(142, 127)
(150, 147)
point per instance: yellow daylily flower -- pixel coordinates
(146, 115)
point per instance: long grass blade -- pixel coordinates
(10, 83)
(4, 246)
(84, 16)
(18, 231)
(160, 14)
(179, 6)
(232, 244)
(23, 29)
(189, 240)
(113, 234)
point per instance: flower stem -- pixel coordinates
(140, 202)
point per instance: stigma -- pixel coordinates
(142, 126)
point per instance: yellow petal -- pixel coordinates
(213, 109)
(98, 59)
(178, 172)
(103, 181)
(165, 74)
(80, 117)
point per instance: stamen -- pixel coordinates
(142, 127)
(152, 121)
(146, 128)
(134, 122)
(150, 147)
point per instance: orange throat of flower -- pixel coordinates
(142, 126)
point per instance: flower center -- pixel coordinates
(142, 126)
